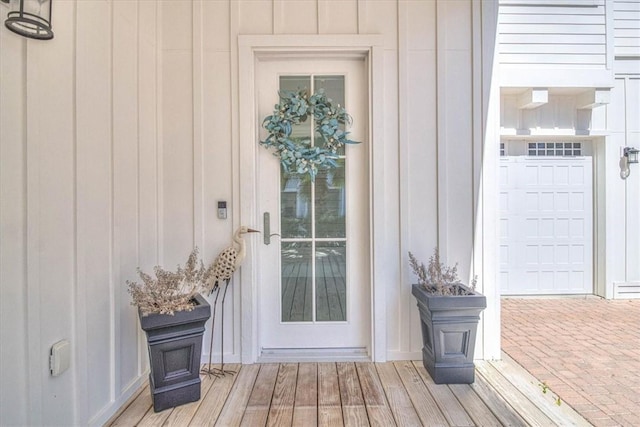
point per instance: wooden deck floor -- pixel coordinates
(358, 394)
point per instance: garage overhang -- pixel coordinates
(533, 98)
(593, 98)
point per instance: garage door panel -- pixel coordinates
(577, 175)
(504, 202)
(545, 174)
(547, 255)
(504, 228)
(562, 228)
(577, 280)
(577, 228)
(561, 200)
(561, 175)
(505, 178)
(546, 226)
(577, 203)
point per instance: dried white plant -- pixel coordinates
(170, 291)
(439, 278)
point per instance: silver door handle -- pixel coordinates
(266, 219)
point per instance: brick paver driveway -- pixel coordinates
(586, 350)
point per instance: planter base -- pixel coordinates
(443, 373)
(171, 396)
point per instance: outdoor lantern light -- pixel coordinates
(30, 18)
(629, 155)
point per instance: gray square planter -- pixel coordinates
(449, 328)
(175, 347)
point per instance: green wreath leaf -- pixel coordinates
(297, 155)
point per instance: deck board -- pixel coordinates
(500, 407)
(353, 409)
(156, 419)
(374, 398)
(474, 406)
(524, 381)
(136, 409)
(305, 410)
(529, 411)
(403, 411)
(422, 400)
(329, 404)
(236, 403)
(281, 410)
(357, 394)
(182, 415)
(257, 410)
(212, 402)
(445, 399)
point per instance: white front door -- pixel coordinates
(314, 293)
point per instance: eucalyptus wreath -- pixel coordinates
(297, 155)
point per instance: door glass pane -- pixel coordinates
(334, 89)
(331, 290)
(330, 202)
(300, 132)
(313, 224)
(296, 282)
(295, 190)
(295, 205)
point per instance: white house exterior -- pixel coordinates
(569, 76)
(119, 137)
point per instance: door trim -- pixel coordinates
(251, 50)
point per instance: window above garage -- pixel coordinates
(546, 148)
(564, 149)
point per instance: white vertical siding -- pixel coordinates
(115, 145)
(622, 196)
(14, 359)
(79, 206)
(560, 34)
(626, 16)
(418, 170)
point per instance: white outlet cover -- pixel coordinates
(60, 357)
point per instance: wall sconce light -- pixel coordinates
(629, 156)
(30, 18)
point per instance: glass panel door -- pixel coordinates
(313, 224)
(313, 280)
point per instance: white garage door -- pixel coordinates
(546, 226)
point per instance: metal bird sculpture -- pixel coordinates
(225, 264)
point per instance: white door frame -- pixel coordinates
(251, 50)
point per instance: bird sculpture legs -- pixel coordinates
(226, 286)
(210, 370)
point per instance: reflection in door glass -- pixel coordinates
(295, 205)
(331, 276)
(330, 202)
(313, 224)
(296, 282)
(333, 87)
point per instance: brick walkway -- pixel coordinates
(586, 350)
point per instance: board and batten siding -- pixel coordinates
(119, 136)
(622, 202)
(79, 208)
(626, 23)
